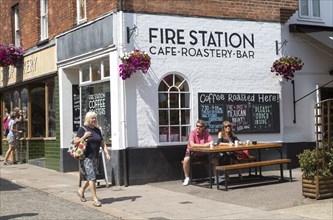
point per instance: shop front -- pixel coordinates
(212, 69)
(33, 89)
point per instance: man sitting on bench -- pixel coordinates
(198, 137)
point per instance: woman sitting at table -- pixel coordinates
(226, 137)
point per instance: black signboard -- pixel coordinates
(248, 112)
(76, 107)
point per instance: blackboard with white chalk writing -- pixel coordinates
(76, 108)
(248, 112)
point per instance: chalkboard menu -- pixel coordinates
(248, 112)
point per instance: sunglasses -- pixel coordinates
(199, 126)
(228, 126)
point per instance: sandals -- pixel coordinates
(82, 198)
(8, 162)
(97, 203)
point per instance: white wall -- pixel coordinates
(317, 65)
(204, 74)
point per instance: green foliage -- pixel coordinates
(313, 162)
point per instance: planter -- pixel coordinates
(318, 188)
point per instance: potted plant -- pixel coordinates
(133, 62)
(286, 66)
(10, 55)
(317, 168)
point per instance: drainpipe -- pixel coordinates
(123, 95)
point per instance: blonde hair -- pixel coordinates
(88, 116)
(201, 122)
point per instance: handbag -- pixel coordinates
(242, 154)
(78, 150)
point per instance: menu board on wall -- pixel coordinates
(248, 112)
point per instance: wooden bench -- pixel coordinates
(201, 162)
(227, 168)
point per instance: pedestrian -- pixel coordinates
(89, 165)
(199, 137)
(12, 139)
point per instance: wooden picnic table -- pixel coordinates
(232, 148)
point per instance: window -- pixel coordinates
(38, 112)
(43, 19)
(81, 11)
(38, 104)
(174, 109)
(96, 97)
(51, 117)
(309, 9)
(17, 26)
(95, 71)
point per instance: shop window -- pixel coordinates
(174, 109)
(16, 96)
(17, 26)
(81, 8)
(43, 19)
(24, 108)
(51, 117)
(309, 9)
(96, 98)
(38, 112)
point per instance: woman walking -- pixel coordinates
(89, 166)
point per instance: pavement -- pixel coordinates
(172, 200)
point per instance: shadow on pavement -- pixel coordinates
(120, 199)
(6, 185)
(22, 215)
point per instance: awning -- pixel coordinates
(319, 36)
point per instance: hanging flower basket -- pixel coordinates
(133, 62)
(10, 55)
(286, 66)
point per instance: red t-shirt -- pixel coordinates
(205, 137)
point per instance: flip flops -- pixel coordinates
(82, 198)
(97, 203)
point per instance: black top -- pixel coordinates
(223, 140)
(93, 142)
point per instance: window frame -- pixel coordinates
(44, 20)
(17, 37)
(169, 127)
(78, 11)
(91, 64)
(310, 8)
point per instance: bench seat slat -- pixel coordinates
(253, 164)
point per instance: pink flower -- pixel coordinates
(133, 62)
(10, 55)
(286, 66)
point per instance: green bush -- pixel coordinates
(313, 162)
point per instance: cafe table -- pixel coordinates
(231, 148)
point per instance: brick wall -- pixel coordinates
(237, 9)
(62, 14)
(6, 15)
(61, 17)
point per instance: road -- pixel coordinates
(21, 202)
